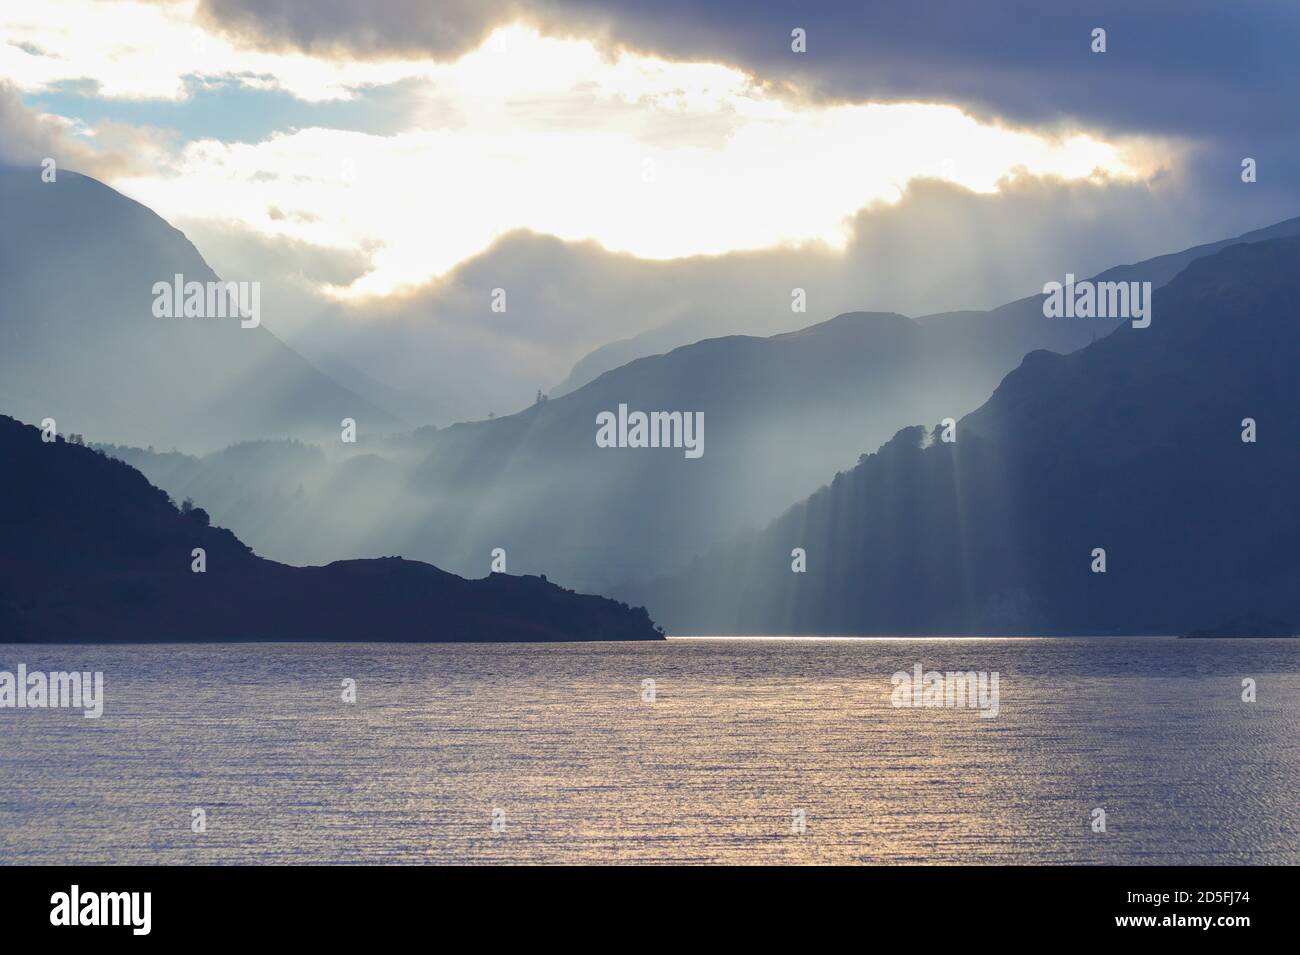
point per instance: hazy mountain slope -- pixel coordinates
(89, 550)
(79, 342)
(1132, 445)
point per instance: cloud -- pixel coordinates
(158, 50)
(28, 137)
(656, 159)
(1217, 78)
(1176, 65)
(443, 30)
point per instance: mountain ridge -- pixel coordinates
(1157, 269)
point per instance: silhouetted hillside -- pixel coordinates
(89, 550)
(79, 342)
(1133, 445)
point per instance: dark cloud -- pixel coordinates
(1177, 66)
(1170, 65)
(378, 28)
(1221, 76)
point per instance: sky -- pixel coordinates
(615, 168)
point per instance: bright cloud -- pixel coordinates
(135, 50)
(645, 156)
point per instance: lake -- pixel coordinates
(562, 753)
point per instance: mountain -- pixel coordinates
(1133, 445)
(613, 354)
(1019, 318)
(79, 342)
(90, 551)
(780, 414)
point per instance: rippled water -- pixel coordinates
(741, 734)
